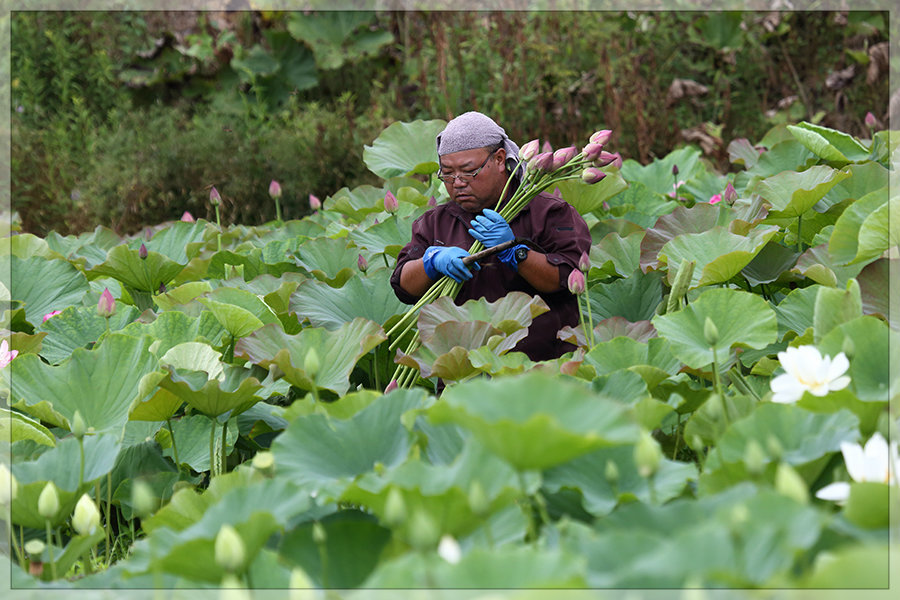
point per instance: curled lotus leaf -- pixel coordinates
(874, 283)
(404, 148)
(510, 313)
(697, 219)
(330, 260)
(387, 237)
(818, 265)
(652, 360)
(608, 329)
(232, 392)
(792, 193)
(43, 285)
(862, 232)
(615, 255)
(355, 204)
(369, 296)
(830, 144)
(144, 274)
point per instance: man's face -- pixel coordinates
(484, 189)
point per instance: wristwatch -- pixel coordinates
(521, 253)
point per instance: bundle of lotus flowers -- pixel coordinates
(540, 171)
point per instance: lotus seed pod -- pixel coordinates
(48, 501)
(710, 332)
(86, 518)
(214, 198)
(143, 500)
(789, 483)
(611, 472)
(647, 455)
(478, 500)
(311, 362)
(275, 189)
(528, 151)
(263, 460)
(601, 137)
(229, 549)
(319, 535)
(394, 508)
(142, 252)
(754, 457)
(35, 547)
(79, 428)
(423, 531)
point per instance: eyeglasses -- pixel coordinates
(465, 177)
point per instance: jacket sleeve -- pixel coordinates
(564, 237)
(415, 249)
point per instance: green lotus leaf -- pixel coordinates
(741, 152)
(639, 204)
(535, 421)
(192, 441)
(187, 505)
(248, 265)
(792, 193)
(852, 566)
(590, 198)
(487, 361)
(795, 312)
(78, 326)
(874, 283)
(652, 360)
(337, 38)
(635, 298)
(864, 179)
(326, 454)
(510, 313)
(24, 343)
(101, 384)
(338, 352)
(182, 294)
(697, 219)
(608, 329)
(482, 568)
(781, 155)
(834, 307)
(240, 312)
(155, 404)
(330, 260)
(742, 319)
(629, 387)
(233, 392)
(88, 249)
(861, 232)
(818, 265)
(719, 254)
(42, 285)
(769, 264)
(615, 255)
(147, 275)
(26, 245)
(172, 328)
(874, 368)
(179, 241)
(369, 296)
(355, 204)
(451, 364)
(441, 490)
(830, 144)
(62, 466)
(404, 148)
(600, 497)
(14, 426)
(708, 422)
(386, 237)
(658, 174)
(354, 544)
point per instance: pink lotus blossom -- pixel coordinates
(50, 315)
(677, 185)
(715, 198)
(187, 217)
(592, 175)
(6, 355)
(314, 202)
(592, 151)
(870, 120)
(601, 137)
(528, 151)
(576, 282)
(563, 156)
(275, 189)
(391, 204)
(106, 306)
(214, 198)
(542, 161)
(391, 386)
(604, 158)
(730, 194)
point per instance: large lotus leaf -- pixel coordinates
(818, 265)
(355, 204)
(742, 319)
(697, 219)
(830, 144)
(614, 327)
(26, 245)
(324, 453)
(88, 249)
(795, 312)
(653, 360)
(14, 427)
(179, 241)
(79, 326)
(792, 193)
(629, 387)
(338, 37)
(509, 313)
(240, 312)
(615, 255)
(640, 205)
(769, 264)
(338, 352)
(471, 335)
(512, 566)
(452, 364)
(172, 328)
(101, 384)
(718, 253)
(802, 436)
(354, 544)
(852, 566)
(248, 264)
(864, 179)
(635, 298)
(781, 155)
(144, 274)
(874, 283)
(233, 393)
(658, 174)
(510, 363)
(741, 152)
(192, 441)
(600, 496)
(333, 261)
(874, 366)
(590, 198)
(441, 491)
(535, 421)
(62, 466)
(43, 285)
(835, 306)
(369, 296)
(388, 236)
(181, 295)
(404, 148)
(861, 232)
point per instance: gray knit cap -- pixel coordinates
(474, 130)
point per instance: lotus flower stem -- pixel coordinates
(108, 516)
(174, 447)
(678, 434)
(50, 548)
(212, 449)
(219, 232)
(81, 466)
(222, 464)
(799, 238)
(718, 382)
(741, 384)
(18, 548)
(587, 304)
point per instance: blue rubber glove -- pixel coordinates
(447, 260)
(490, 229)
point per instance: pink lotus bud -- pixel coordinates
(870, 120)
(592, 151)
(391, 204)
(617, 161)
(106, 306)
(730, 194)
(547, 147)
(391, 386)
(604, 158)
(162, 288)
(584, 262)
(576, 282)
(715, 198)
(542, 162)
(314, 202)
(675, 170)
(562, 156)
(432, 202)
(275, 189)
(362, 263)
(605, 206)
(214, 198)
(6, 355)
(187, 217)
(601, 137)
(50, 315)
(528, 151)
(592, 175)
(142, 252)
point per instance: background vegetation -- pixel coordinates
(125, 119)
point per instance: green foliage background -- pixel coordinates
(126, 119)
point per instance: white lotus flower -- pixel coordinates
(877, 462)
(449, 550)
(806, 370)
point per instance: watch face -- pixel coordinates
(521, 254)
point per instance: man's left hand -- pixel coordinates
(490, 229)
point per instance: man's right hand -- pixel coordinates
(447, 260)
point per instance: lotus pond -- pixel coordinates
(201, 405)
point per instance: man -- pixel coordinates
(476, 159)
